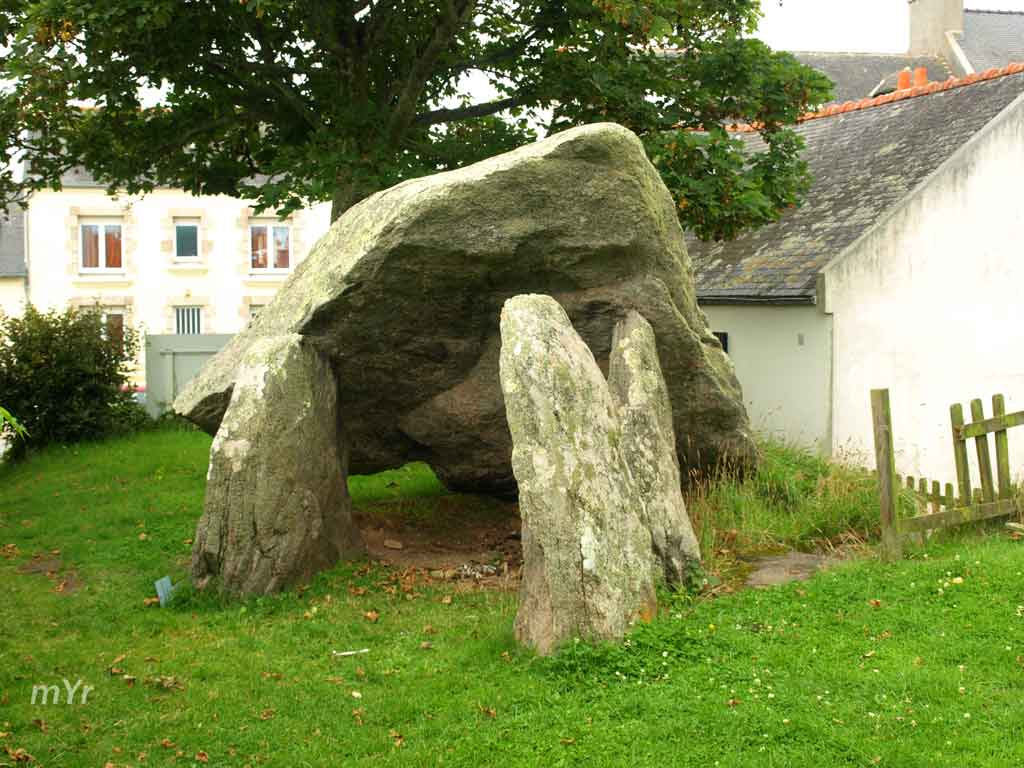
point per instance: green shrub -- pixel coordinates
(65, 379)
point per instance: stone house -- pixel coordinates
(163, 263)
(901, 270)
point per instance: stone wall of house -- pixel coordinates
(152, 280)
(12, 295)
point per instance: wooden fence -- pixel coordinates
(945, 504)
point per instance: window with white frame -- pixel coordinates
(186, 239)
(100, 245)
(188, 321)
(270, 247)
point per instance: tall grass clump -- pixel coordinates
(795, 498)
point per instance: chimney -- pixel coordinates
(930, 20)
(920, 76)
(904, 80)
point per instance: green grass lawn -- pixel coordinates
(913, 664)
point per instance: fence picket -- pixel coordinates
(1002, 449)
(963, 470)
(984, 459)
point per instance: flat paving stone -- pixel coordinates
(774, 570)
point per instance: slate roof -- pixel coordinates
(859, 75)
(864, 158)
(12, 242)
(992, 38)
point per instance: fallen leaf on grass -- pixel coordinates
(356, 591)
(166, 682)
(733, 702)
(426, 645)
(143, 537)
(19, 755)
(202, 757)
(356, 695)
(446, 600)
(271, 675)
(41, 725)
(567, 742)
(119, 659)
(429, 630)
(399, 738)
(167, 744)
(151, 601)
(358, 715)
(491, 712)
(371, 616)
(267, 714)
(9, 551)
(875, 603)
(130, 680)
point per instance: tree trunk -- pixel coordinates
(347, 192)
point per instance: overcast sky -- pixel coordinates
(847, 25)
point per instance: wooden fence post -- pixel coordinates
(963, 470)
(984, 460)
(885, 459)
(1002, 449)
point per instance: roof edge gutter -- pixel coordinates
(795, 299)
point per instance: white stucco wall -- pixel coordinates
(782, 356)
(12, 295)
(929, 304)
(153, 283)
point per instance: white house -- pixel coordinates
(902, 270)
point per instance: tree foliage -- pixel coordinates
(65, 378)
(293, 101)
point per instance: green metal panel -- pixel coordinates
(172, 361)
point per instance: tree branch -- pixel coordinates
(476, 110)
(456, 11)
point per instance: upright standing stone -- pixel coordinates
(587, 555)
(648, 446)
(277, 508)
